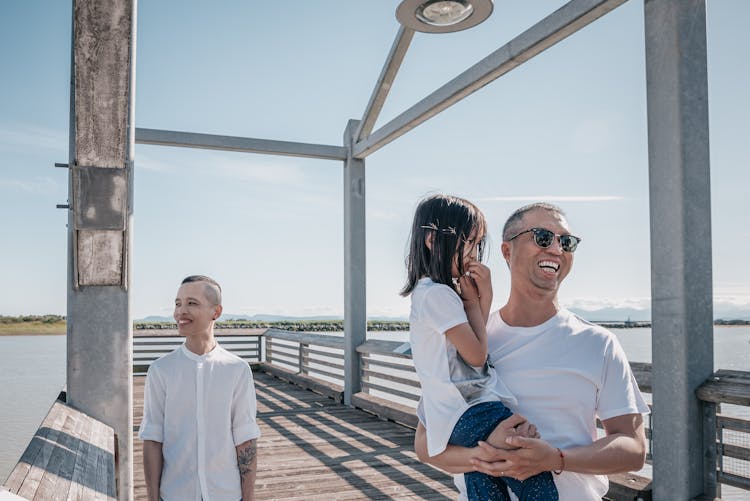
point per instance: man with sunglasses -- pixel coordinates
(564, 372)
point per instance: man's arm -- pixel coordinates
(622, 449)
(457, 459)
(247, 461)
(152, 465)
(454, 459)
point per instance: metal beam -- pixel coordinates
(565, 21)
(240, 144)
(684, 440)
(355, 276)
(385, 80)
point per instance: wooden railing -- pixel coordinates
(146, 349)
(390, 388)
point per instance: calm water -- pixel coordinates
(33, 373)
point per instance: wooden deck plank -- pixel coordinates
(313, 448)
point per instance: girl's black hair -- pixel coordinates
(449, 221)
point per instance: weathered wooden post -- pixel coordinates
(102, 133)
(355, 294)
(681, 288)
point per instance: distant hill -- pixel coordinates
(722, 311)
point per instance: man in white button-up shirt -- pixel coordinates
(199, 431)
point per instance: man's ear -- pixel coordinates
(505, 249)
(217, 311)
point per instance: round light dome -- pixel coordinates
(442, 16)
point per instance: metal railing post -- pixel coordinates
(355, 307)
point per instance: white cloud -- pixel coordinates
(554, 198)
(20, 137)
(267, 173)
(384, 215)
(150, 163)
(597, 303)
(592, 135)
(41, 185)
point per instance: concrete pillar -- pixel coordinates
(355, 290)
(102, 133)
(681, 283)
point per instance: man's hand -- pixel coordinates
(529, 457)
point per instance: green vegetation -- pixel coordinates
(32, 324)
(287, 325)
(55, 324)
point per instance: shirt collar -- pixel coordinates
(198, 358)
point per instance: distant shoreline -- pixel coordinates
(47, 326)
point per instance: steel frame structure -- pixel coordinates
(675, 41)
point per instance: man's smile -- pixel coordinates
(549, 266)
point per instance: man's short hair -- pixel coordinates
(213, 289)
(513, 225)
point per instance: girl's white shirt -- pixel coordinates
(449, 385)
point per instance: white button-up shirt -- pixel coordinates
(200, 407)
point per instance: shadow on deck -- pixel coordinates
(314, 448)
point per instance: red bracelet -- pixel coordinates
(562, 463)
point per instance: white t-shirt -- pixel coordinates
(565, 373)
(199, 407)
(449, 385)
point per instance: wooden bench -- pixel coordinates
(71, 456)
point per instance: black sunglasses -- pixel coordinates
(544, 238)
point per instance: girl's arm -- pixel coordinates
(483, 280)
(470, 339)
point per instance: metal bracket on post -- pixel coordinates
(62, 206)
(100, 205)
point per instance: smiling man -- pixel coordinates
(199, 431)
(563, 371)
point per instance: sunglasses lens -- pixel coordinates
(568, 243)
(543, 238)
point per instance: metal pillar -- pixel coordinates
(102, 134)
(680, 213)
(355, 296)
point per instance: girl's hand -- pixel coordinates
(469, 291)
(482, 277)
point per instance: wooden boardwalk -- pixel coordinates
(313, 448)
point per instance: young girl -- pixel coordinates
(451, 295)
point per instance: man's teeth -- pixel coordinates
(549, 264)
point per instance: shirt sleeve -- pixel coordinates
(154, 393)
(244, 409)
(443, 309)
(619, 393)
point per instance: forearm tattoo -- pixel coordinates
(245, 458)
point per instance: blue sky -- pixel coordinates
(568, 126)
